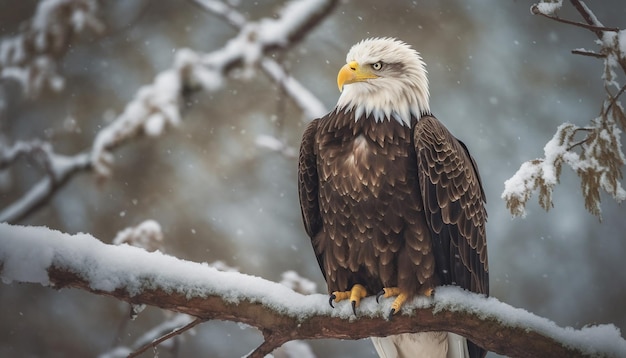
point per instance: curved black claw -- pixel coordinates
(353, 307)
(382, 292)
(393, 310)
(331, 299)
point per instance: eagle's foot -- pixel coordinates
(429, 292)
(354, 295)
(397, 303)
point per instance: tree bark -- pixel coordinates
(278, 328)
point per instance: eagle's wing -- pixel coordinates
(454, 204)
(308, 185)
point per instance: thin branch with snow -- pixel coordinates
(308, 103)
(139, 277)
(598, 157)
(58, 169)
(549, 11)
(30, 57)
(158, 105)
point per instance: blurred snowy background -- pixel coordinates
(502, 80)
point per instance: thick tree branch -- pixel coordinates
(32, 254)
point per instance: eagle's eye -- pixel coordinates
(377, 66)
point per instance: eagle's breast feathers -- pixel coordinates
(369, 206)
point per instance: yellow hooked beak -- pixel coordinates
(352, 72)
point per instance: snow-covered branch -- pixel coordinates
(159, 104)
(30, 56)
(310, 105)
(57, 170)
(43, 256)
(597, 157)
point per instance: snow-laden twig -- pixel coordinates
(51, 258)
(277, 32)
(147, 235)
(10, 154)
(30, 57)
(274, 34)
(158, 105)
(598, 164)
(57, 169)
(224, 11)
(546, 7)
(276, 145)
(598, 157)
(310, 105)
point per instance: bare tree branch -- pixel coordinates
(165, 337)
(588, 53)
(280, 314)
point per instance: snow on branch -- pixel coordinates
(51, 258)
(30, 56)
(57, 170)
(158, 105)
(147, 235)
(597, 157)
(270, 33)
(255, 39)
(546, 7)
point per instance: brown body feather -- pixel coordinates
(388, 205)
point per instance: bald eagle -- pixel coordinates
(392, 201)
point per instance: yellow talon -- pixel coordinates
(355, 295)
(397, 303)
(400, 296)
(429, 292)
(357, 292)
(390, 292)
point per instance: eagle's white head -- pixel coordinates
(386, 78)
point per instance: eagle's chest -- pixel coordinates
(358, 155)
(362, 166)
